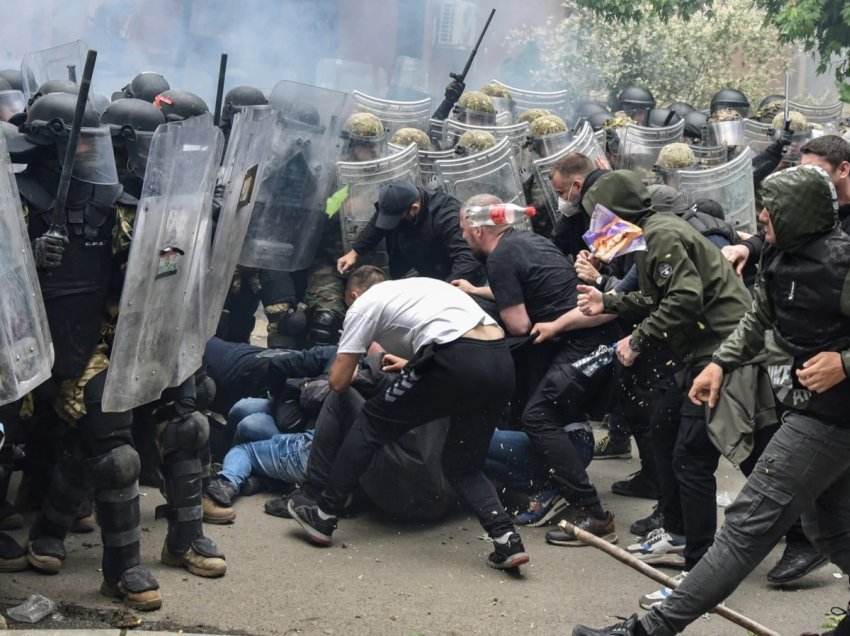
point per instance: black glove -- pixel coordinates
(785, 137)
(454, 91)
(218, 196)
(48, 250)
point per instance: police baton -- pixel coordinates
(57, 227)
(219, 93)
(659, 577)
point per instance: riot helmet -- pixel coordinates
(636, 102)
(547, 135)
(673, 157)
(695, 122)
(681, 108)
(237, 98)
(661, 118)
(496, 90)
(49, 121)
(474, 141)
(769, 107)
(146, 86)
(585, 108)
(14, 77)
(475, 108)
(406, 136)
(177, 105)
(730, 98)
(801, 132)
(597, 120)
(365, 136)
(132, 123)
(54, 86)
(725, 128)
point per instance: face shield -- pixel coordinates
(11, 103)
(550, 144)
(725, 133)
(94, 160)
(138, 147)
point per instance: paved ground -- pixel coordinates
(381, 578)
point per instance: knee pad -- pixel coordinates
(324, 327)
(117, 468)
(190, 432)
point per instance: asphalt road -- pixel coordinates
(383, 578)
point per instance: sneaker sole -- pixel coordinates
(149, 605)
(575, 543)
(314, 535)
(648, 605)
(44, 563)
(514, 561)
(221, 520)
(553, 512)
(814, 566)
(614, 456)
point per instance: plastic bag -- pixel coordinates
(32, 610)
(610, 236)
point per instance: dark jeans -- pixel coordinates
(805, 469)
(561, 397)
(467, 380)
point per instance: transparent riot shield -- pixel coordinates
(818, 114)
(426, 163)
(708, 156)
(505, 110)
(556, 101)
(159, 338)
(243, 163)
(394, 114)
(346, 76)
(757, 134)
(730, 184)
(584, 141)
(364, 180)
(298, 177)
(516, 134)
(640, 147)
(63, 62)
(11, 103)
(725, 133)
(26, 351)
(494, 171)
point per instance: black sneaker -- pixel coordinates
(629, 627)
(798, 560)
(222, 491)
(643, 527)
(510, 554)
(602, 528)
(306, 512)
(612, 448)
(278, 507)
(636, 486)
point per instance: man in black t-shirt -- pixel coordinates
(531, 282)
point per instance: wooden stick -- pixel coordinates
(647, 570)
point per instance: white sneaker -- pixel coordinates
(659, 547)
(649, 601)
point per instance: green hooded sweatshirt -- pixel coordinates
(689, 297)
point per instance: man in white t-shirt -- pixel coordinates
(454, 362)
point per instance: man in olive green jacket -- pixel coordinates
(691, 300)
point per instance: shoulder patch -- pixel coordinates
(664, 270)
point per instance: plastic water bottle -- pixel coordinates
(590, 364)
(498, 214)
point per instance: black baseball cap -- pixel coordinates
(393, 202)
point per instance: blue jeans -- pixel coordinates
(512, 460)
(283, 458)
(252, 418)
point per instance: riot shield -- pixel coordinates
(730, 184)
(364, 180)
(426, 163)
(160, 335)
(585, 142)
(516, 134)
(505, 110)
(494, 171)
(11, 103)
(757, 134)
(347, 76)
(556, 101)
(394, 114)
(640, 147)
(289, 210)
(708, 156)
(818, 114)
(63, 62)
(26, 351)
(725, 133)
(243, 163)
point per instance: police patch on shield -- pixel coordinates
(664, 270)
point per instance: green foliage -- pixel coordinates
(676, 58)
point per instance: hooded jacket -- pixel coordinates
(802, 292)
(689, 295)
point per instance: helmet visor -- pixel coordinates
(11, 103)
(94, 160)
